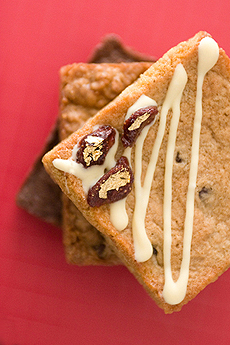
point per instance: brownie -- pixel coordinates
(112, 50)
(39, 195)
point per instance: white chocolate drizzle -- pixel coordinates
(118, 214)
(174, 292)
(180, 75)
(142, 245)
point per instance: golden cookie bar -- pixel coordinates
(168, 217)
(85, 88)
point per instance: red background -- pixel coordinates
(42, 299)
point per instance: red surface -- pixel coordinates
(42, 299)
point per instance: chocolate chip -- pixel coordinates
(99, 248)
(204, 193)
(178, 158)
(154, 251)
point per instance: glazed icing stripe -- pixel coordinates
(119, 207)
(142, 245)
(180, 74)
(118, 215)
(174, 292)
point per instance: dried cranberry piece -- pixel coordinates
(94, 147)
(114, 185)
(136, 122)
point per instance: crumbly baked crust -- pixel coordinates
(210, 251)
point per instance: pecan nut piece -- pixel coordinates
(136, 122)
(114, 185)
(94, 147)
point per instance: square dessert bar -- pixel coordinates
(151, 172)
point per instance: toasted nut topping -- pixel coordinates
(94, 147)
(115, 185)
(136, 122)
